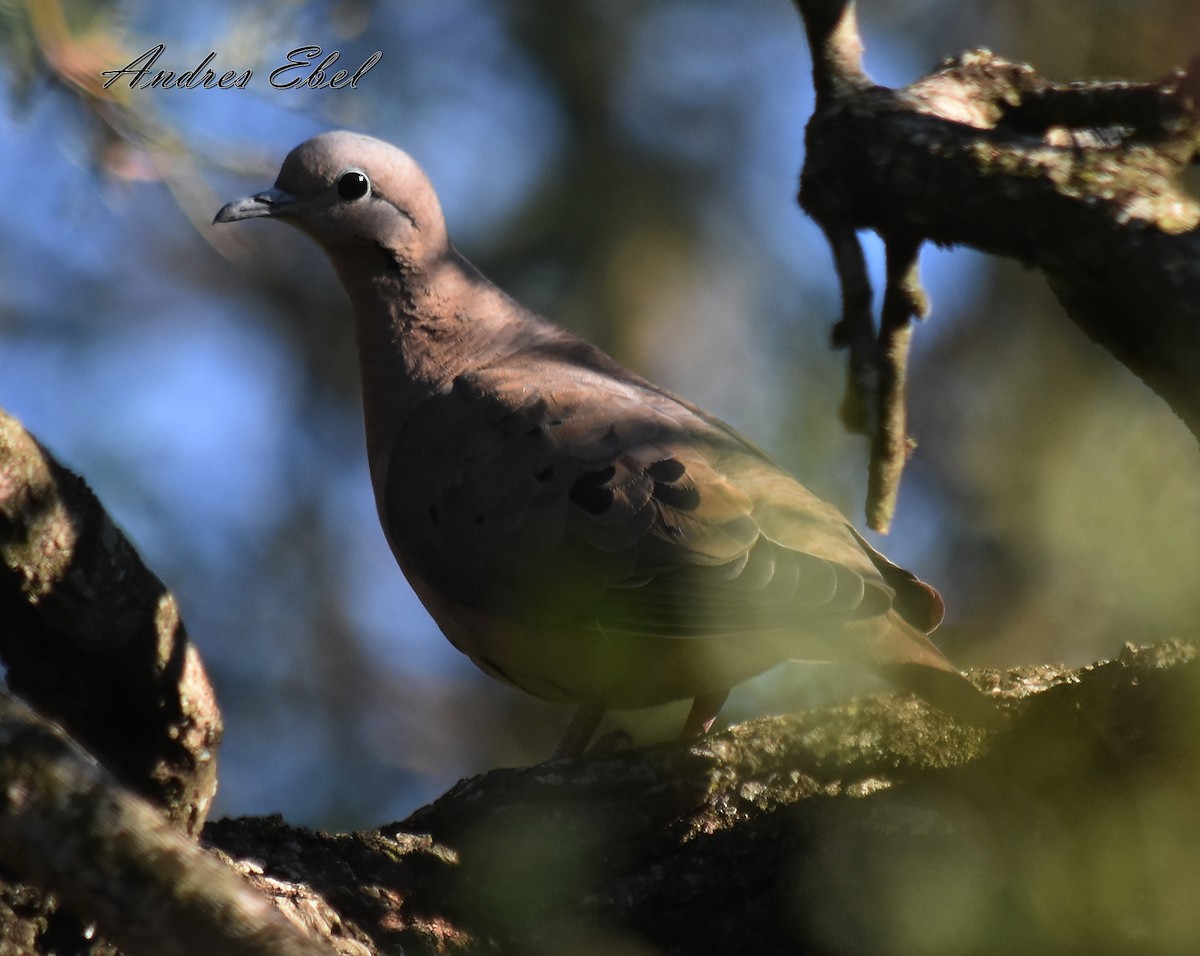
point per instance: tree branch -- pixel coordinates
(903, 300)
(93, 639)
(66, 824)
(879, 826)
(1080, 180)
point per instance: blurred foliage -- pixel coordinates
(627, 167)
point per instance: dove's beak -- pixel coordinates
(269, 202)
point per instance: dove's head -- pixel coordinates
(348, 191)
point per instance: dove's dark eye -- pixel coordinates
(353, 185)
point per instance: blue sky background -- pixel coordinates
(633, 176)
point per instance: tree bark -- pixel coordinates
(93, 640)
(876, 827)
(116, 863)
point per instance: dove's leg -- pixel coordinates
(704, 711)
(579, 731)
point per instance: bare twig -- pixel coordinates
(903, 300)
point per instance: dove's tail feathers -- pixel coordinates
(906, 656)
(949, 691)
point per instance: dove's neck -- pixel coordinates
(420, 328)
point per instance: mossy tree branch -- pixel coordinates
(93, 640)
(1080, 180)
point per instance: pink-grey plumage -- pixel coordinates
(574, 529)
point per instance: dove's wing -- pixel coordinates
(552, 488)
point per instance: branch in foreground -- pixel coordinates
(1081, 180)
(66, 824)
(876, 827)
(93, 639)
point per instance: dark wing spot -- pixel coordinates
(666, 474)
(479, 519)
(680, 497)
(545, 474)
(433, 515)
(668, 470)
(590, 492)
